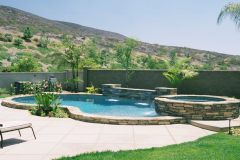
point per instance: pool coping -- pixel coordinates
(77, 114)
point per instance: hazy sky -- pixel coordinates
(186, 23)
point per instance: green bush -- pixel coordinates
(48, 104)
(38, 87)
(18, 42)
(44, 42)
(6, 37)
(27, 63)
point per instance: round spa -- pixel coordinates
(198, 107)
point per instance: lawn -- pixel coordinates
(4, 95)
(215, 147)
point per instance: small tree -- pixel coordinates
(179, 70)
(124, 55)
(27, 34)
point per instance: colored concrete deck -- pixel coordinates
(62, 137)
(217, 126)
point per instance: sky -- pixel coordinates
(184, 23)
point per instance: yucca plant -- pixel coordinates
(46, 102)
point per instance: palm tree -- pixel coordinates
(231, 10)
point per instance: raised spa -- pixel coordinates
(198, 107)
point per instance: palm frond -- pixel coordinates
(231, 10)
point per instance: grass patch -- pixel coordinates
(32, 48)
(10, 45)
(4, 95)
(45, 50)
(215, 147)
(4, 55)
(2, 48)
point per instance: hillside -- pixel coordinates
(14, 21)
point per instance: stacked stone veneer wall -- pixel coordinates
(199, 111)
(116, 90)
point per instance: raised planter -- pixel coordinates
(116, 90)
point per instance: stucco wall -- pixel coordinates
(6, 78)
(223, 83)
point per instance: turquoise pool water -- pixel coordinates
(197, 99)
(101, 105)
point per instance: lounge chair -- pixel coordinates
(14, 126)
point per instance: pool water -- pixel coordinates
(197, 99)
(102, 105)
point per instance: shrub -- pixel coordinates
(27, 34)
(48, 104)
(35, 39)
(27, 63)
(92, 89)
(44, 42)
(18, 42)
(1, 37)
(6, 37)
(38, 87)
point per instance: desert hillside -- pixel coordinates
(14, 21)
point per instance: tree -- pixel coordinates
(231, 10)
(150, 62)
(104, 57)
(27, 34)
(124, 54)
(71, 56)
(179, 70)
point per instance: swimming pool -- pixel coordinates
(102, 105)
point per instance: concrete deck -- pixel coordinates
(217, 126)
(59, 137)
